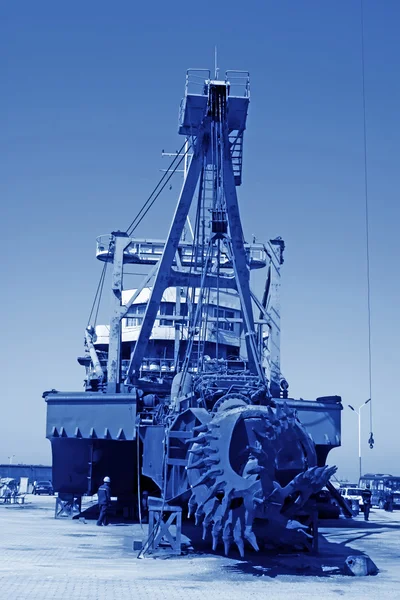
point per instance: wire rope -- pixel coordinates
(150, 200)
(96, 294)
(100, 293)
(365, 148)
(136, 222)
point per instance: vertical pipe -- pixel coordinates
(121, 241)
(359, 441)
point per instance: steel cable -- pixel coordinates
(150, 201)
(371, 439)
(99, 289)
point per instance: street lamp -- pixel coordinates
(358, 412)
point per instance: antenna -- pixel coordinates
(216, 62)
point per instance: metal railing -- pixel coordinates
(150, 251)
(239, 83)
(196, 80)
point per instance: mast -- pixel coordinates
(216, 122)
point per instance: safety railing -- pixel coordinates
(195, 81)
(150, 251)
(239, 83)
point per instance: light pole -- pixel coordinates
(358, 412)
(10, 458)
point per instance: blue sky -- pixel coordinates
(90, 96)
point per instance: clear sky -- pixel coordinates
(89, 98)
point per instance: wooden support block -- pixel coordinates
(162, 517)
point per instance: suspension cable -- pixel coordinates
(97, 295)
(100, 293)
(371, 438)
(150, 200)
(137, 220)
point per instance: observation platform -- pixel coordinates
(199, 101)
(194, 105)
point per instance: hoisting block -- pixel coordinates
(163, 517)
(359, 566)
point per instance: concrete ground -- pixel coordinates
(42, 558)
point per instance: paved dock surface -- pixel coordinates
(42, 558)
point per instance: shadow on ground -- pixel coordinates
(328, 562)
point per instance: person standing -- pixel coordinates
(389, 501)
(104, 501)
(366, 497)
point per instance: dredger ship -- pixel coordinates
(184, 397)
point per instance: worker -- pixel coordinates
(104, 501)
(34, 487)
(389, 501)
(366, 497)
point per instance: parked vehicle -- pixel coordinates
(381, 484)
(326, 505)
(43, 487)
(352, 495)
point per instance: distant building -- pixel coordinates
(33, 472)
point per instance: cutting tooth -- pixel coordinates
(251, 538)
(237, 536)
(207, 450)
(199, 515)
(277, 431)
(199, 439)
(227, 537)
(227, 545)
(198, 451)
(204, 462)
(205, 530)
(209, 476)
(216, 531)
(256, 470)
(257, 452)
(270, 413)
(307, 535)
(226, 502)
(191, 505)
(201, 428)
(210, 512)
(258, 500)
(209, 437)
(217, 487)
(283, 420)
(200, 464)
(330, 471)
(260, 435)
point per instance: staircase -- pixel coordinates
(236, 140)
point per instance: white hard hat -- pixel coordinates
(107, 480)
